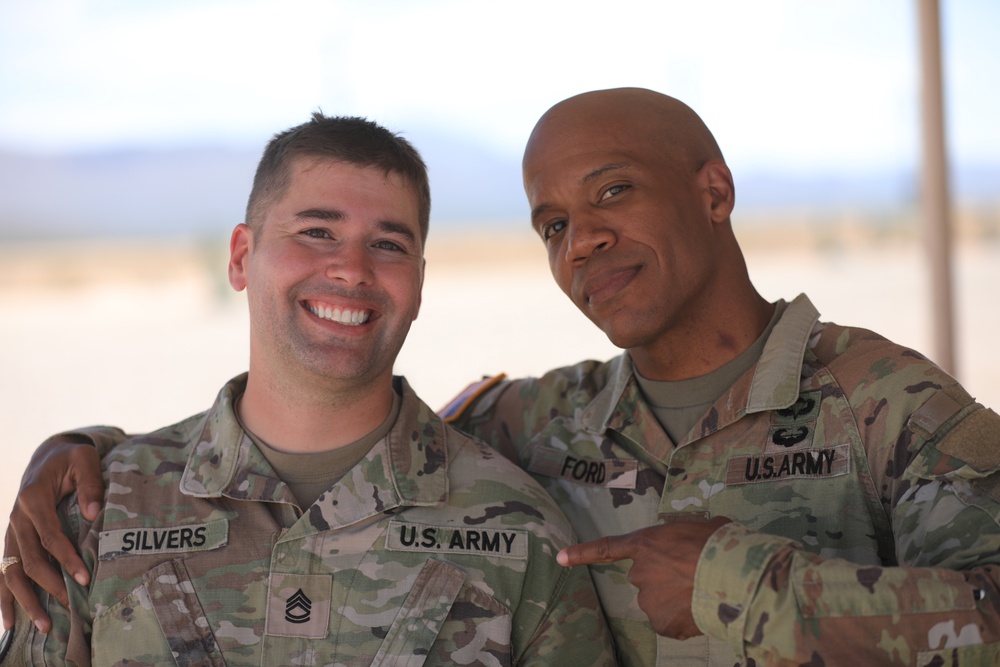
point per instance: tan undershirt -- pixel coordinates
(309, 475)
(679, 405)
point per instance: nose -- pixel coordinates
(351, 264)
(588, 234)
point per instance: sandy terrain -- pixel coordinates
(141, 335)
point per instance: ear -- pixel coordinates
(719, 181)
(240, 245)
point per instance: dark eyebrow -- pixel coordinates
(392, 227)
(330, 215)
(600, 171)
(537, 211)
(587, 178)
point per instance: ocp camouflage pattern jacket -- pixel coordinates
(863, 480)
(433, 550)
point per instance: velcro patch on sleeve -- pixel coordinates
(975, 440)
(505, 543)
(467, 397)
(163, 539)
(930, 416)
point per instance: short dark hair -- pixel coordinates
(350, 139)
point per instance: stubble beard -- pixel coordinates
(336, 364)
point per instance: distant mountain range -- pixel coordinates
(203, 191)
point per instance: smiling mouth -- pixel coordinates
(608, 285)
(346, 316)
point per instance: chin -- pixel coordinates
(627, 335)
(619, 339)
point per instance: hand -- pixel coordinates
(57, 468)
(664, 560)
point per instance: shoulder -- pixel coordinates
(152, 451)
(908, 401)
(556, 391)
(483, 482)
(867, 365)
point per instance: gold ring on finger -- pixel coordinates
(7, 561)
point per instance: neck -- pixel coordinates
(292, 417)
(699, 345)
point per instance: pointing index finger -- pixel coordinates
(603, 550)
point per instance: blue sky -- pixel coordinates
(790, 85)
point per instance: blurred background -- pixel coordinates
(129, 132)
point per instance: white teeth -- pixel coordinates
(342, 316)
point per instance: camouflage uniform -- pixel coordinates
(839, 454)
(433, 550)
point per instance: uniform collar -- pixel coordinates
(777, 375)
(620, 407)
(406, 468)
(774, 383)
(604, 411)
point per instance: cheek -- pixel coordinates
(275, 279)
(292, 265)
(414, 301)
(559, 271)
(404, 288)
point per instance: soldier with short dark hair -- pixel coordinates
(319, 513)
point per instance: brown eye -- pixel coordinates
(613, 190)
(389, 245)
(553, 228)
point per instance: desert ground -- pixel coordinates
(142, 334)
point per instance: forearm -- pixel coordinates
(776, 603)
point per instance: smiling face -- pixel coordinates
(626, 196)
(334, 275)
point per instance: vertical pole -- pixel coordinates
(935, 197)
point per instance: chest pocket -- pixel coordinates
(163, 605)
(434, 623)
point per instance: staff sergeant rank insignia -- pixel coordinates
(298, 608)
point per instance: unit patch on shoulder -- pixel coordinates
(505, 543)
(608, 473)
(143, 541)
(467, 397)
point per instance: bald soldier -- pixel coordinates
(760, 487)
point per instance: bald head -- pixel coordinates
(630, 194)
(625, 119)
